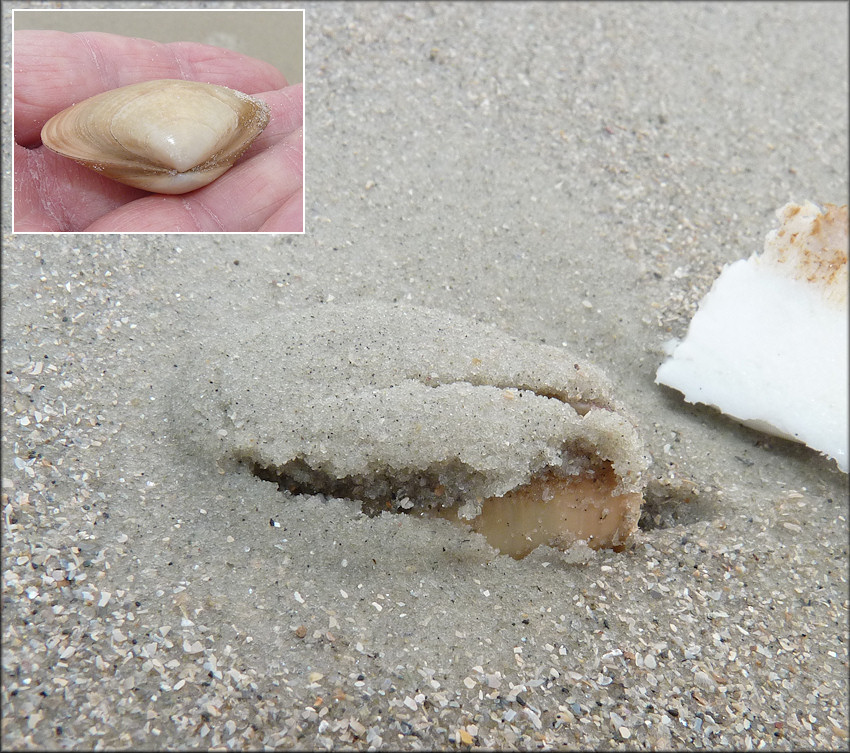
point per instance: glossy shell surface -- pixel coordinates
(165, 136)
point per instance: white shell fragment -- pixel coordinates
(409, 409)
(166, 136)
(768, 345)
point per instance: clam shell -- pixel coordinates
(166, 136)
(418, 410)
(769, 342)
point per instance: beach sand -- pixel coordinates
(574, 175)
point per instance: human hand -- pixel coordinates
(53, 70)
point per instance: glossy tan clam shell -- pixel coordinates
(166, 136)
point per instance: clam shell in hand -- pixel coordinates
(166, 136)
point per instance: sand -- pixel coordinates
(573, 175)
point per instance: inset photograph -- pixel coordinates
(158, 121)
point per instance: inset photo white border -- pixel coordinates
(76, 54)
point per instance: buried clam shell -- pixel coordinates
(415, 410)
(166, 136)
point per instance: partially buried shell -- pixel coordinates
(166, 136)
(415, 410)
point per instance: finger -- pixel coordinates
(274, 175)
(54, 194)
(78, 66)
(30, 215)
(286, 114)
(263, 185)
(289, 218)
